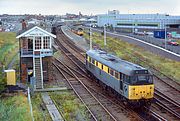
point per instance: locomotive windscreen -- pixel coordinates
(80, 29)
(141, 72)
(141, 79)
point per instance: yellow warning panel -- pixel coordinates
(11, 77)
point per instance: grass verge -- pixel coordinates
(15, 108)
(8, 49)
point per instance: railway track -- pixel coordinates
(92, 104)
(117, 105)
(115, 102)
(72, 55)
(167, 103)
(67, 43)
(170, 87)
(142, 117)
(102, 100)
(116, 108)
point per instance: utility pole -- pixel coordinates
(90, 37)
(105, 35)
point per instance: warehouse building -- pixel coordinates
(138, 21)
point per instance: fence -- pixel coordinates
(29, 100)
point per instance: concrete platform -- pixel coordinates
(51, 89)
(53, 111)
(80, 41)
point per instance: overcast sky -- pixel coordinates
(59, 7)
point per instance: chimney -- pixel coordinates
(23, 24)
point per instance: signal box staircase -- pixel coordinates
(38, 72)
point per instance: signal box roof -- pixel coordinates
(34, 31)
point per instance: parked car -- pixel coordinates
(139, 33)
(150, 34)
(172, 42)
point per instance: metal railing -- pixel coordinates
(26, 51)
(29, 53)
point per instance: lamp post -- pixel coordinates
(90, 37)
(133, 27)
(165, 34)
(105, 35)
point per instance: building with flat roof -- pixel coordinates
(138, 21)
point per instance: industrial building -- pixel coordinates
(138, 21)
(35, 46)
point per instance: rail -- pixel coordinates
(83, 69)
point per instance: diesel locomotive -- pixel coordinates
(132, 82)
(77, 30)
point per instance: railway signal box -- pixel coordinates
(35, 47)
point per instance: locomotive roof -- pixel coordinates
(114, 62)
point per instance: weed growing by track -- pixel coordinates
(69, 106)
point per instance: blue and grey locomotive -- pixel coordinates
(133, 82)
